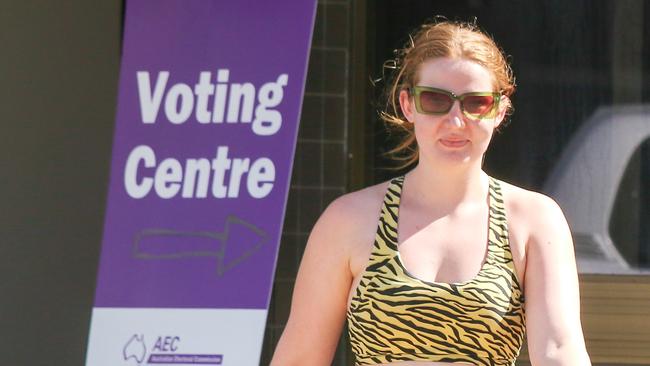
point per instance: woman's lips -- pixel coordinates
(454, 143)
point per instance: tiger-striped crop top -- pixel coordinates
(394, 316)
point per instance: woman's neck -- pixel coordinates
(446, 189)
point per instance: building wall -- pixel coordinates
(58, 82)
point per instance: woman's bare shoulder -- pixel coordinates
(532, 213)
(520, 198)
(360, 200)
(355, 216)
(349, 222)
(351, 209)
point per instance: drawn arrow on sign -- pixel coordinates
(236, 243)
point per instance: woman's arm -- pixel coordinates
(551, 289)
(320, 294)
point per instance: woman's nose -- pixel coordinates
(456, 115)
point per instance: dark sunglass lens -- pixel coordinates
(435, 102)
(478, 104)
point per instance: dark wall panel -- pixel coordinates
(58, 79)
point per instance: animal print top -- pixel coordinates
(394, 316)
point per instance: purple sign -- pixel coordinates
(207, 118)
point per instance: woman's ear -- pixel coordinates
(406, 103)
(504, 104)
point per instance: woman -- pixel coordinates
(445, 265)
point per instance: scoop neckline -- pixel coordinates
(398, 257)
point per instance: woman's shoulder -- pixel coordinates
(534, 220)
(353, 218)
(522, 200)
(357, 205)
(349, 222)
(533, 212)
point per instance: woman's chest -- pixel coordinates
(449, 249)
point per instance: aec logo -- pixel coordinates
(164, 352)
(135, 348)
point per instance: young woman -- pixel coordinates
(445, 265)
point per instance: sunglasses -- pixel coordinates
(476, 105)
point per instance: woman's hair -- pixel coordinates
(453, 39)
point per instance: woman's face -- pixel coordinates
(452, 137)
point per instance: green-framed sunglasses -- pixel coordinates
(475, 105)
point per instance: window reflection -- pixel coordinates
(599, 183)
(630, 221)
